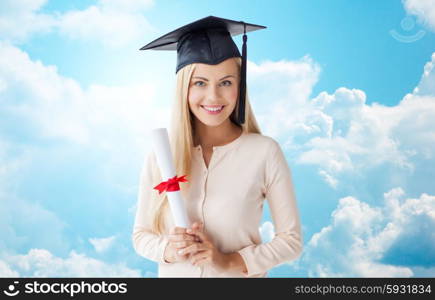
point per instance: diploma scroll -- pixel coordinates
(163, 153)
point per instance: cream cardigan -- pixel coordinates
(228, 197)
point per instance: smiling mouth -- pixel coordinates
(213, 109)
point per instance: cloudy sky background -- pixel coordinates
(347, 88)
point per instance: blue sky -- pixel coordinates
(347, 88)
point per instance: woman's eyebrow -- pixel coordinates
(203, 78)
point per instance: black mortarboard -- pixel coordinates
(208, 41)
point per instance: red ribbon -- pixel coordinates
(171, 185)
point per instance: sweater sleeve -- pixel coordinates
(146, 243)
(287, 242)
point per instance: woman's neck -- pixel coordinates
(209, 136)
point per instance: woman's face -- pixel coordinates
(213, 91)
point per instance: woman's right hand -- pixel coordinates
(179, 239)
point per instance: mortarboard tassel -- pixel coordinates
(242, 94)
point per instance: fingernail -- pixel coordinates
(180, 251)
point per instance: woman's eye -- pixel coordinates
(226, 83)
(199, 83)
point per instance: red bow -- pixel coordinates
(171, 185)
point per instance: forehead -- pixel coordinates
(227, 67)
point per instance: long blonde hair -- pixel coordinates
(181, 140)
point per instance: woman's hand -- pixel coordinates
(178, 239)
(204, 252)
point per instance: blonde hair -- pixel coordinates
(181, 141)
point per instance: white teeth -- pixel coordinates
(213, 109)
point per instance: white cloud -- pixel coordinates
(340, 133)
(121, 5)
(6, 271)
(102, 244)
(367, 241)
(19, 19)
(281, 89)
(55, 114)
(41, 263)
(111, 122)
(112, 22)
(107, 23)
(328, 178)
(267, 231)
(426, 87)
(363, 136)
(423, 9)
(294, 78)
(21, 222)
(58, 108)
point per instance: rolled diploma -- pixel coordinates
(163, 153)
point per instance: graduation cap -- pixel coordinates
(209, 41)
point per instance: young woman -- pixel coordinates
(231, 169)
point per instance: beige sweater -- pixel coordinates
(228, 197)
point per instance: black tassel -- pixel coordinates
(242, 94)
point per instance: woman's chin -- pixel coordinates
(212, 123)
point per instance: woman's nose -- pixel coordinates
(212, 93)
